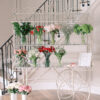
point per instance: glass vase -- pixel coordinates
(83, 39)
(53, 38)
(23, 39)
(39, 39)
(67, 39)
(33, 61)
(47, 58)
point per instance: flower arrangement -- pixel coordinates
(38, 31)
(59, 54)
(33, 56)
(47, 52)
(82, 30)
(53, 29)
(23, 29)
(20, 55)
(24, 89)
(67, 30)
(13, 87)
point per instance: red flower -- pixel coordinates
(31, 32)
(42, 26)
(20, 52)
(24, 51)
(49, 49)
(38, 30)
(43, 30)
(38, 27)
(42, 49)
(52, 48)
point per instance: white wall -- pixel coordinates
(5, 18)
(7, 10)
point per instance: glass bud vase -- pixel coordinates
(83, 39)
(39, 39)
(67, 38)
(23, 39)
(47, 58)
(24, 97)
(53, 38)
(13, 96)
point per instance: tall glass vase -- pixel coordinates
(67, 38)
(47, 58)
(83, 39)
(24, 97)
(13, 96)
(53, 38)
(23, 39)
(39, 39)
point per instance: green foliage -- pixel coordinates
(17, 28)
(38, 31)
(83, 29)
(34, 59)
(14, 90)
(77, 28)
(67, 30)
(21, 56)
(22, 30)
(24, 93)
(60, 54)
(53, 35)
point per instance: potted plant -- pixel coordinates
(21, 57)
(38, 31)
(59, 54)
(33, 56)
(22, 30)
(13, 90)
(47, 53)
(53, 29)
(83, 30)
(67, 30)
(24, 90)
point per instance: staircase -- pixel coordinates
(50, 11)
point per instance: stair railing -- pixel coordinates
(6, 51)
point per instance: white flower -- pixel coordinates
(47, 28)
(14, 85)
(33, 52)
(57, 27)
(51, 27)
